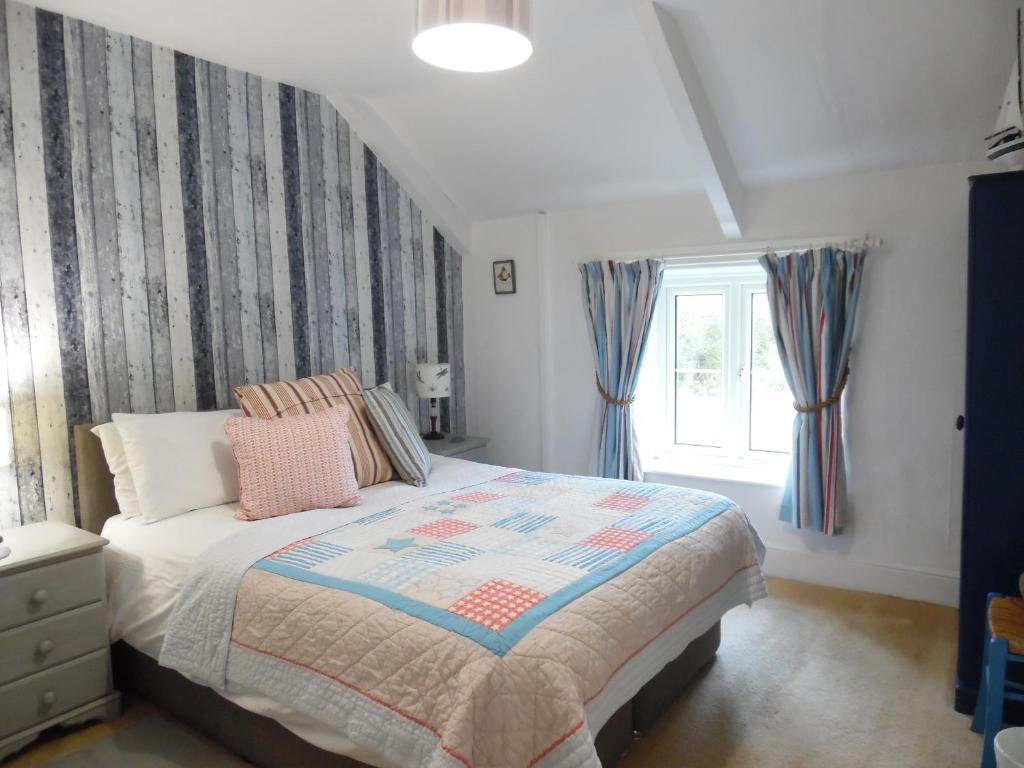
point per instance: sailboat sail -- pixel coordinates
(1006, 144)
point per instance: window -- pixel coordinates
(713, 399)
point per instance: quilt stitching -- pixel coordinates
(444, 553)
(394, 575)
(616, 538)
(496, 603)
(437, 731)
(623, 502)
(362, 692)
(443, 529)
(647, 521)
(376, 517)
(426, 579)
(478, 497)
(523, 522)
(443, 507)
(308, 553)
(525, 478)
(585, 557)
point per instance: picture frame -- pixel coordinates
(504, 273)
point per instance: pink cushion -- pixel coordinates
(294, 464)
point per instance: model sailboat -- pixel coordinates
(1006, 144)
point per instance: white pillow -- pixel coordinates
(179, 461)
(117, 461)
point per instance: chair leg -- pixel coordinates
(978, 723)
(996, 673)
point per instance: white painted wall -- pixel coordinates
(905, 390)
(501, 343)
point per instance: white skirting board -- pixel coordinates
(845, 573)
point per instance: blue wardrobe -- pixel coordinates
(992, 548)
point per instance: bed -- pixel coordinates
(288, 642)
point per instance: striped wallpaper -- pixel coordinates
(170, 228)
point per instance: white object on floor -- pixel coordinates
(1010, 748)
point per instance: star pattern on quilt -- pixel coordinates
(397, 545)
(497, 603)
(443, 507)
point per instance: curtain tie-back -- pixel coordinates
(818, 407)
(608, 398)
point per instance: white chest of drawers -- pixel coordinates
(54, 653)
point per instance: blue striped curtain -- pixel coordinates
(813, 301)
(618, 298)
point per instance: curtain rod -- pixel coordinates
(743, 251)
(861, 243)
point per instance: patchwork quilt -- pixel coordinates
(475, 626)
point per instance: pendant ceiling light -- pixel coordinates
(473, 35)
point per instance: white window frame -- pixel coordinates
(734, 460)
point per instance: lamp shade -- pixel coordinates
(473, 35)
(433, 380)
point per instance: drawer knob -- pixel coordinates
(45, 647)
(50, 698)
(40, 596)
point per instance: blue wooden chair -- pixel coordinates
(1004, 643)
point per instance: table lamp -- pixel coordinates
(5, 460)
(433, 380)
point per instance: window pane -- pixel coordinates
(700, 409)
(771, 404)
(700, 397)
(699, 332)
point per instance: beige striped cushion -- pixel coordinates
(317, 393)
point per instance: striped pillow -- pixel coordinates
(317, 393)
(397, 430)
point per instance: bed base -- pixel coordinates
(266, 743)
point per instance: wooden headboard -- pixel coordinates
(96, 500)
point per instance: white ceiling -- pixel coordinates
(800, 88)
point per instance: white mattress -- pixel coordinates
(148, 564)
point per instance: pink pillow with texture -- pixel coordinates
(294, 464)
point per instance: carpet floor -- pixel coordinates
(821, 678)
(809, 678)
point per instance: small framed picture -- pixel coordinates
(505, 276)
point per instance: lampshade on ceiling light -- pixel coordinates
(473, 35)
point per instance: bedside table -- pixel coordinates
(469, 448)
(54, 652)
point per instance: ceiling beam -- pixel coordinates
(401, 163)
(693, 111)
